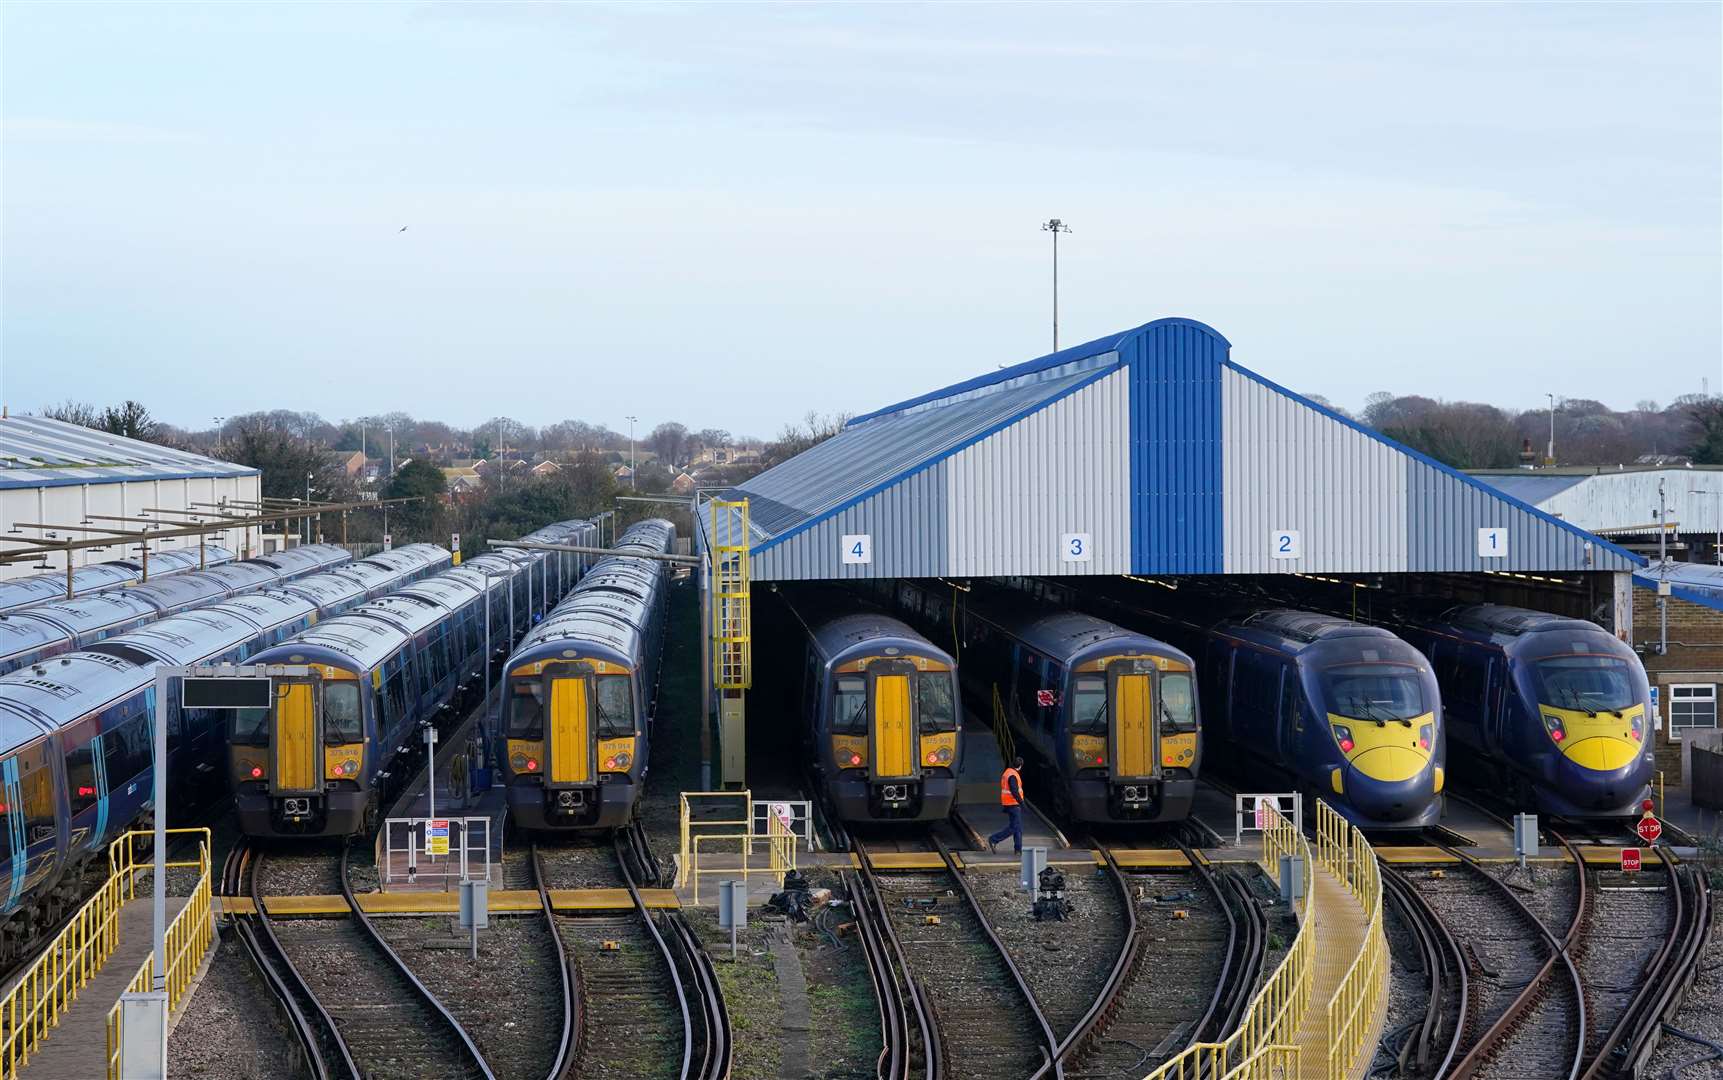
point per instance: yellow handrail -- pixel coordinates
(189, 937)
(1358, 1000)
(1263, 1041)
(50, 985)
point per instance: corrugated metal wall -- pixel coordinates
(1444, 514)
(1014, 495)
(1624, 499)
(1175, 448)
(1290, 467)
(906, 523)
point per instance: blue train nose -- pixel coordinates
(1599, 790)
(1410, 802)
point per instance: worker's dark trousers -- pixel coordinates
(1013, 828)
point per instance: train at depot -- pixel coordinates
(1550, 710)
(30, 589)
(877, 707)
(1107, 717)
(46, 628)
(573, 726)
(77, 730)
(339, 741)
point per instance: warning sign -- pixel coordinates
(1649, 829)
(1044, 698)
(437, 836)
(1264, 811)
(1630, 860)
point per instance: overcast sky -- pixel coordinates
(729, 215)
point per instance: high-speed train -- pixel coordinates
(1553, 710)
(878, 711)
(336, 744)
(76, 730)
(574, 721)
(47, 628)
(1107, 716)
(20, 592)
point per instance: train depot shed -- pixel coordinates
(1147, 454)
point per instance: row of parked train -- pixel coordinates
(1551, 710)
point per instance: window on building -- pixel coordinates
(1692, 706)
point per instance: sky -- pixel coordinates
(730, 215)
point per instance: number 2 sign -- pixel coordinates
(1285, 544)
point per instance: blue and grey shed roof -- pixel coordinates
(38, 452)
(1147, 451)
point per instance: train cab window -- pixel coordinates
(341, 713)
(248, 727)
(526, 709)
(1591, 683)
(1089, 705)
(933, 705)
(614, 703)
(1379, 692)
(1178, 702)
(849, 706)
(81, 778)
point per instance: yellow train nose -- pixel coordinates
(1604, 753)
(1391, 763)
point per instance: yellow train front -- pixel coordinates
(879, 702)
(574, 717)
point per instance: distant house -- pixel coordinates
(546, 468)
(351, 463)
(683, 484)
(494, 466)
(462, 482)
(622, 472)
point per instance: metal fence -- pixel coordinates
(417, 851)
(727, 826)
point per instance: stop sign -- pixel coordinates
(1629, 860)
(1650, 829)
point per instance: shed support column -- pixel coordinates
(706, 696)
(1621, 608)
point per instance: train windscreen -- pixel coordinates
(1378, 692)
(934, 708)
(1178, 702)
(1592, 684)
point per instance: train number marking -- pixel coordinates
(1492, 543)
(857, 548)
(1075, 547)
(1285, 544)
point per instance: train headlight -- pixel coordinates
(349, 768)
(1639, 728)
(623, 759)
(1343, 736)
(855, 758)
(518, 761)
(256, 772)
(1426, 736)
(531, 765)
(1553, 725)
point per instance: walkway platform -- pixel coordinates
(501, 902)
(77, 1049)
(1339, 927)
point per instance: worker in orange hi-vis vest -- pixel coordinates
(1011, 801)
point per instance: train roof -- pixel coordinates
(1293, 631)
(862, 631)
(1069, 636)
(22, 592)
(1513, 621)
(266, 608)
(186, 638)
(57, 692)
(325, 590)
(239, 576)
(178, 561)
(609, 607)
(304, 559)
(179, 591)
(21, 632)
(85, 613)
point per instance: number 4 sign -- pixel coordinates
(857, 548)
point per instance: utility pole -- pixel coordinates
(1663, 574)
(218, 422)
(633, 468)
(1549, 452)
(1055, 226)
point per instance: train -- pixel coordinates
(340, 739)
(572, 727)
(1107, 718)
(28, 589)
(1549, 710)
(77, 730)
(878, 708)
(47, 628)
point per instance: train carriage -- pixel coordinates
(574, 722)
(21, 592)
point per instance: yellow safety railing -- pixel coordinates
(1262, 1047)
(732, 620)
(736, 828)
(1361, 997)
(189, 936)
(780, 844)
(48, 987)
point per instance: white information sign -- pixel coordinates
(1075, 547)
(1285, 544)
(1493, 543)
(857, 548)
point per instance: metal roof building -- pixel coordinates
(1621, 500)
(1147, 451)
(57, 473)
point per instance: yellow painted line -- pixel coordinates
(1414, 854)
(1149, 858)
(610, 899)
(502, 902)
(1611, 856)
(905, 860)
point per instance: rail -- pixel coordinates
(1357, 1002)
(1262, 1045)
(189, 936)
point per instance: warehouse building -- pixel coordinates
(1149, 453)
(1627, 503)
(59, 474)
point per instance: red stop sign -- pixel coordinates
(1650, 829)
(1630, 860)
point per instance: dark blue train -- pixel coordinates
(326, 757)
(573, 727)
(46, 628)
(1549, 710)
(76, 731)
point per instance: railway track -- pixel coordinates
(1426, 1045)
(953, 1003)
(645, 999)
(1156, 1001)
(353, 1005)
